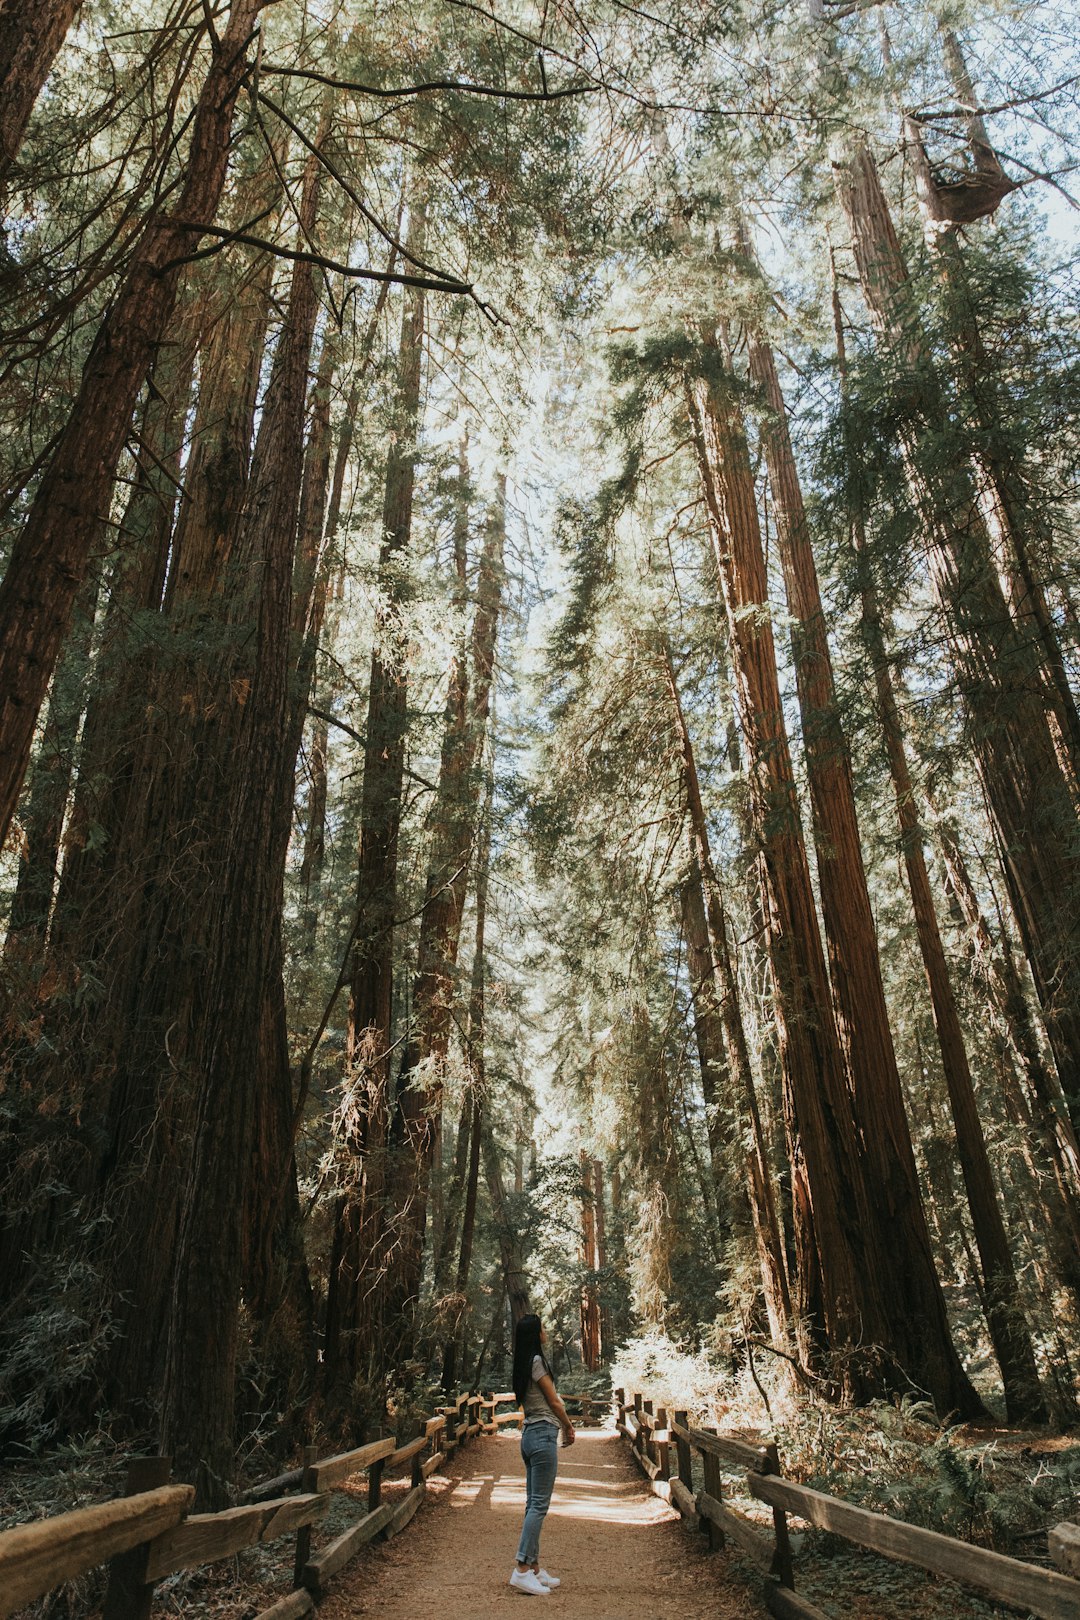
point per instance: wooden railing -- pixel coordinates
(653, 1437)
(151, 1533)
(588, 1409)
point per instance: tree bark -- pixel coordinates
(49, 558)
(455, 1344)
(200, 1368)
(31, 34)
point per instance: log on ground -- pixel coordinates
(292, 1607)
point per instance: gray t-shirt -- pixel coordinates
(535, 1405)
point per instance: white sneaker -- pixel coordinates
(550, 1581)
(523, 1580)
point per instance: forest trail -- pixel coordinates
(620, 1552)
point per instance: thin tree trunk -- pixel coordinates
(996, 967)
(49, 558)
(475, 1046)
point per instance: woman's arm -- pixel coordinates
(551, 1395)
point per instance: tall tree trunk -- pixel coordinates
(354, 1311)
(841, 1277)
(996, 663)
(31, 34)
(920, 1335)
(200, 1368)
(49, 558)
(1008, 508)
(142, 907)
(418, 1116)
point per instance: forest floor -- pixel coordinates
(620, 1552)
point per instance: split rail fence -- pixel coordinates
(1046, 1593)
(150, 1533)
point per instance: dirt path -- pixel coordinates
(621, 1553)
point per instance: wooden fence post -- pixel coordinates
(683, 1452)
(715, 1489)
(374, 1484)
(130, 1595)
(417, 1462)
(645, 1438)
(783, 1563)
(620, 1406)
(662, 1447)
(308, 1458)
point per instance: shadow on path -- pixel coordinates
(620, 1551)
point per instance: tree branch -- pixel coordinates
(462, 85)
(333, 266)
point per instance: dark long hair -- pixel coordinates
(526, 1347)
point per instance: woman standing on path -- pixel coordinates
(545, 1415)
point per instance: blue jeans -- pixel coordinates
(540, 1453)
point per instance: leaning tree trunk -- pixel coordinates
(358, 1273)
(31, 34)
(996, 662)
(50, 556)
(841, 1277)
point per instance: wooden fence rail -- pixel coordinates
(151, 1533)
(588, 1408)
(1043, 1592)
